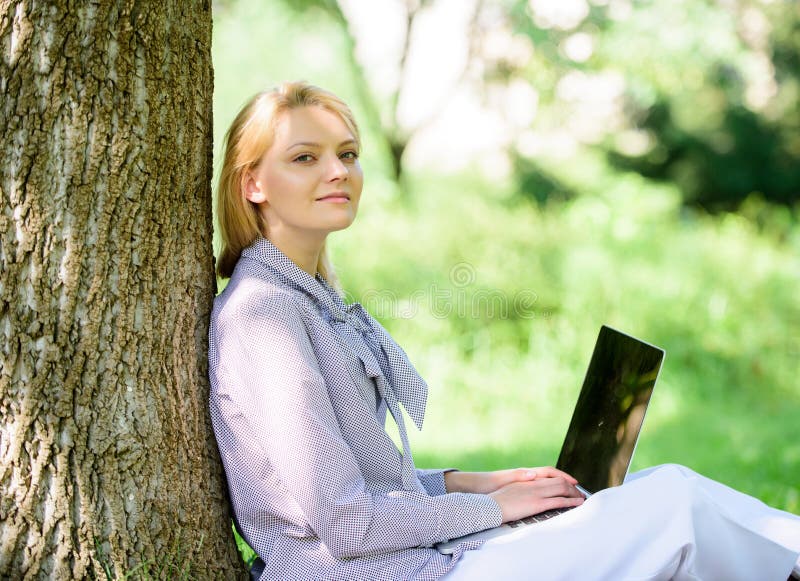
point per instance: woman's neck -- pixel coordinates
(304, 253)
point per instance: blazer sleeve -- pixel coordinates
(268, 372)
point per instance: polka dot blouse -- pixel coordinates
(301, 384)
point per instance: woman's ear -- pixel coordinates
(252, 188)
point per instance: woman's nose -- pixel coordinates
(337, 169)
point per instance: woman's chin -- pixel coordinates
(341, 223)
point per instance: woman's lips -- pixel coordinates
(338, 197)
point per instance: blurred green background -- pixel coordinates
(536, 169)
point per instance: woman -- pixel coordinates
(302, 384)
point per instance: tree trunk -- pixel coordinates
(107, 459)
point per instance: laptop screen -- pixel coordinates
(611, 407)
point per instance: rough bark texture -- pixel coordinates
(107, 460)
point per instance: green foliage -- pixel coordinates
(534, 182)
(718, 168)
(712, 86)
(249, 556)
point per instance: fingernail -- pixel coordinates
(531, 474)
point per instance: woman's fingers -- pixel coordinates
(543, 472)
(558, 502)
(557, 486)
(522, 474)
(521, 499)
(555, 472)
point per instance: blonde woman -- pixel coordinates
(302, 385)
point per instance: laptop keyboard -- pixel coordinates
(541, 517)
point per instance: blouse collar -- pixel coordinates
(383, 357)
(316, 287)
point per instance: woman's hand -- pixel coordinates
(524, 498)
(520, 492)
(488, 482)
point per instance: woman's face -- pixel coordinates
(309, 181)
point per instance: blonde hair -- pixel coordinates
(248, 138)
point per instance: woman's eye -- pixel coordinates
(304, 157)
(350, 155)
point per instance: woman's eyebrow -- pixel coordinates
(317, 145)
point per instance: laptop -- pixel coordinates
(605, 425)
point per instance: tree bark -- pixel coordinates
(108, 464)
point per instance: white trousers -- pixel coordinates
(666, 522)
